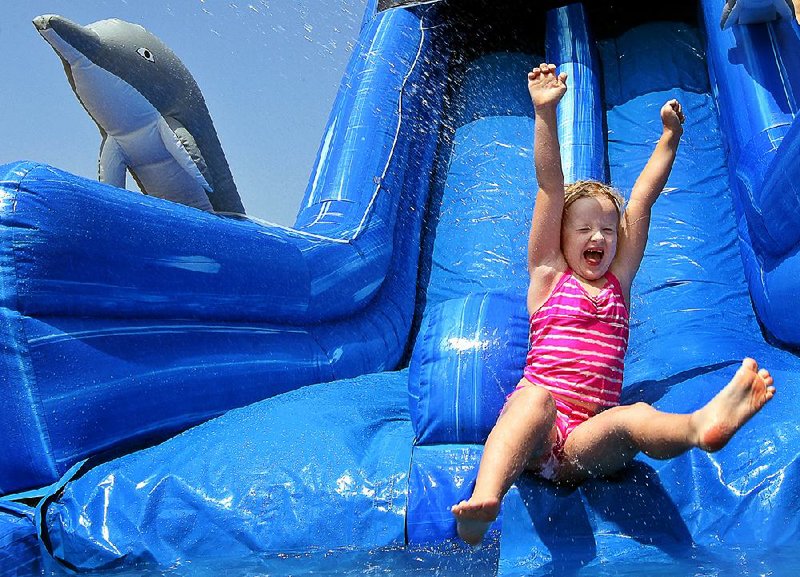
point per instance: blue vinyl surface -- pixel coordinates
(127, 319)
(421, 210)
(19, 543)
(319, 468)
(755, 69)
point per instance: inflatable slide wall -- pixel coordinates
(385, 328)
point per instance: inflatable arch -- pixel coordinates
(127, 319)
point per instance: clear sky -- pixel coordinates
(269, 71)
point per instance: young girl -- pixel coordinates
(563, 420)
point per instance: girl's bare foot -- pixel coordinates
(473, 518)
(732, 407)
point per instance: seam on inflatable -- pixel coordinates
(330, 366)
(782, 72)
(477, 368)
(26, 372)
(380, 179)
(460, 378)
(391, 331)
(287, 229)
(25, 353)
(209, 327)
(324, 209)
(408, 488)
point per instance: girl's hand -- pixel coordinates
(672, 116)
(546, 87)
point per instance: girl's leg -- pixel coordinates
(524, 429)
(606, 443)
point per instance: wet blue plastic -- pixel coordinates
(125, 318)
(336, 465)
(19, 544)
(466, 361)
(323, 467)
(754, 69)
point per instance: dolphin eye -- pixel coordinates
(146, 54)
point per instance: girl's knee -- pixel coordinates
(531, 397)
(637, 411)
(642, 409)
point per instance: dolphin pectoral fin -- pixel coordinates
(181, 145)
(112, 165)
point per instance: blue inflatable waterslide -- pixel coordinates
(362, 356)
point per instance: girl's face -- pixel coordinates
(589, 236)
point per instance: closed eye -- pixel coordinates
(146, 54)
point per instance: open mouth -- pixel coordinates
(593, 256)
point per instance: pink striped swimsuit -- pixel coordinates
(577, 351)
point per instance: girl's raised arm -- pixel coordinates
(544, 244)
(636, 220)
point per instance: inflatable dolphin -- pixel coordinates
(151, 114)
(754, 11)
